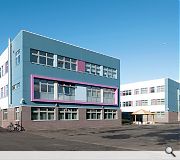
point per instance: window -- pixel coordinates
(126, 93)
(110, 114)
(41, 57)
(6, 67)
(136, 91)
(2, 93)
(157, 102)
(92, 68)
(93, 114)
(5, 114)
(17, 56)
(152, 89)
(144, 90)
(109, 96)
(68, 114)
(6, 90)
(127, 104)
(42, 113)
(17, 114)
(160, 88)
(66, 91)
(142, 103)
(93, 94)
(67, 63)
(160, 114)
(2, 71)
(109, 72)
(43, 89)
(16, 86)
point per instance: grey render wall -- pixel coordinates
(172, 100)
(34, 41)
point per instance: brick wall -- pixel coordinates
(28, 124)
(0, 118)
(173, 117)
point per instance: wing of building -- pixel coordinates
(161, 96)
(59, 84)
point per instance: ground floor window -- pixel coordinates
(110, 114)
(42, 113)
(93, 114)
(160, 114)
(17, 114)
(5, 114)
(68, 114)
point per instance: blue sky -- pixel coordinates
(143, 34)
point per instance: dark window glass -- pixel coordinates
(34, 58)
(42, 60)
(60, 64)
(67, 65)
(73, 67)
(66, 90)
(50, 62)
(42, 53)
(43, 87)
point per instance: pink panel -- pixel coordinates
(80, 66)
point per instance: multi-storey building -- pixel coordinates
(46, 83)
(161, 96)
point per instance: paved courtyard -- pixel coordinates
(123, 138)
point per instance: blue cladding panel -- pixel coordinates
(17, 71)
(172, 99)
(45, 44)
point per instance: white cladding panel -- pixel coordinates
(4, 78)
(148, 96)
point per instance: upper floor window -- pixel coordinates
(43, 89)
(142, 103)
(6, 67)
(66, 91)
(109, 96)
(93, 94)
(17, 56)
(136, 91)
(144, 90)
(160, 89)
(92, 68)
(127, 104)
(157, 102)
(126, 92)
(66, 63)
(16, 86)
(41, 57)
(152, 89)
(109, 72)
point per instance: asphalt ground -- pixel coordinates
(122, 138)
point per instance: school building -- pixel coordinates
(49, 84)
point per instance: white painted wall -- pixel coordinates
(4, 79)
(148, 96)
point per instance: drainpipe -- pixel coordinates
(9, 73)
